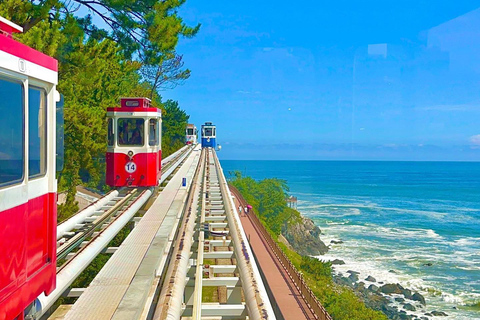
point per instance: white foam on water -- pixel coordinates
(468, 241)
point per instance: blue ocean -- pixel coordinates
(413, 223)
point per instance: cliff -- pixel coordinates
(304, 237)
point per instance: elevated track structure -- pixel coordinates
(187, 256)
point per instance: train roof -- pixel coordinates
(9, 26)
(135, 104)
(20, 50)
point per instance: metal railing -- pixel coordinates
(297, 278)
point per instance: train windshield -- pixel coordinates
(12, 137)
(208, 132)
(131, 132)
(190, 131)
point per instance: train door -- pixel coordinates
(14, 195)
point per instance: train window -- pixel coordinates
(208, 132)
(153, 133)
(37, 132)
(190, 131)
(214, 132)
(12, 137)
(111, 136)
(130, 132)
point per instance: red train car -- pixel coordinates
(28, 186)
(134, 152)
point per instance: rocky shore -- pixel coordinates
(397, 302)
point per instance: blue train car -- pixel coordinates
(209, 135)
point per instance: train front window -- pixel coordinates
(153, 136)
(190, 132)
(37, 132)
(12, 137)
(111, 136)
(208, 132)
(130, 132)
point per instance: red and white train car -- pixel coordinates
(191, 134)
(28, 216)
(134, 151)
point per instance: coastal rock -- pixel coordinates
(428, 264)
(353, 277)
(418, 297)
(407, 293)
(438, 313)
(360, 286)
(338, 262)
(390, 288)
(372, 287)
(399, 299)
(371, 279)
(305, 237)
(374, 298)
(409, 307)
(404, 316)
(336, 242)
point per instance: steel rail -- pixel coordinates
(172, 306)
(197, 295)
(256, 298)
(82, 234)
(169, 164)
(74, 221)
(85, 255)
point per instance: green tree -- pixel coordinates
(148, 28)
(174, 122)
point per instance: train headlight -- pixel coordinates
(130, 154)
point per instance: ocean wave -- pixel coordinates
(437, 299)
(468, 241)
(389, 232)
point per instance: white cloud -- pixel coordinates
(475, 140)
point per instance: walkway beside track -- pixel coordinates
(123, 286)
(288, 298)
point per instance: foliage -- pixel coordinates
(174, 122)
(167, 74)
(97, 67)
(316, 267)
(147, 28)
(268, 199)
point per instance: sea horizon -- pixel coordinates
(410, 222)
(350, 160)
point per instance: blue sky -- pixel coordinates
(350, 80)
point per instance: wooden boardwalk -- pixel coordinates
(288, 300)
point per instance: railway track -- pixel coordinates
(85, 235)
(79, 230)
(211, 255)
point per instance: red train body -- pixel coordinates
(134, 154)
(28, 187)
